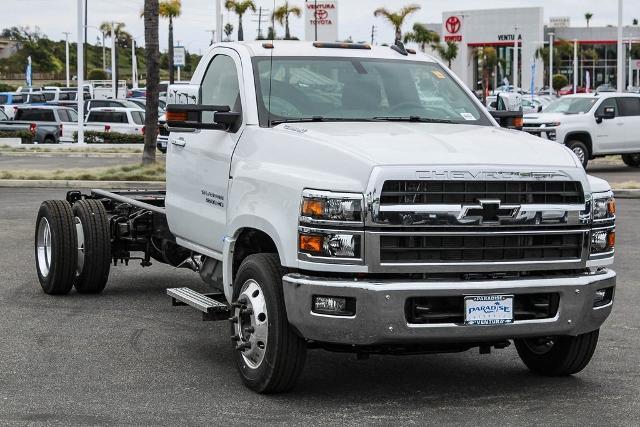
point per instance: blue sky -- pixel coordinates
(355, 16)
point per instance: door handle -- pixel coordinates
(180, 142)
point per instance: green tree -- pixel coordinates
(152, 59)
(281, 14)
(170, 9)
(422, 36)
(448, 52)
(97, 74)
(559, 81)
(271, 33)
(397, 18)
(228, 30)
(588, 17)
(240, 7)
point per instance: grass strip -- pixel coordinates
(137, 172)
(92, 149)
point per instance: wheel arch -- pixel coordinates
(582, 136)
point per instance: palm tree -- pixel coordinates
(448, 52)
(239, 7)
(152, 61)
(422, 36)
(281, 14)
(121, 38)
(397, 18)
(170, 9)
(588, 17)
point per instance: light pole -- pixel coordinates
(620, 62)
(134, 65)
(66, 52)
(219, 20)
(575, 66)
(515, 59)
(114, 82)
(80, 54)
(551, 61)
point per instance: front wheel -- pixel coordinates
(580, 150)
(268, 353)
(558, 356)
(632, 160)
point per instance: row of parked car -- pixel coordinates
(50, 115)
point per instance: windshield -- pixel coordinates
(359, 89)
(571, 105)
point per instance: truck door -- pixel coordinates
(198, 163)
(609, 132)
(630, 115)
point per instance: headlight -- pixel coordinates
(603, 241)
(604, 208)
(329, 244)
(324, 207)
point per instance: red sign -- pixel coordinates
(321, 14)
(453, 38)
(453, 24)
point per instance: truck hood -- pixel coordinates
(552, 117)
(397, 143)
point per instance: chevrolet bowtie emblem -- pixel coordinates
(488, 211)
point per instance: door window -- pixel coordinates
(64, 116)
(138, 117)
(220, 86)
(609, 102)
(629, 106)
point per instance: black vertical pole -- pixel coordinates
(315, 17)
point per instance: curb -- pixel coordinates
(73, 155)
(43, 183)
(626, 194)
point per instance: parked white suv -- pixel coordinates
(121, 120)
(592, 125)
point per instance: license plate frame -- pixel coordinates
(488, 310)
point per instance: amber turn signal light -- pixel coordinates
(176, 116)
(313, 208)
(611, 207)
(310, 243)
(611, 240)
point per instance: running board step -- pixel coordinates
(210, 305)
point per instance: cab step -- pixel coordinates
(212, 306)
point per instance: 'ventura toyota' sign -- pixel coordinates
(452, 29)
(321, 18)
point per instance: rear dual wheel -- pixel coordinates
(632, 160)
(72, 246)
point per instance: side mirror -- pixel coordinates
(188, 117)
(539, 108)
(606, 114)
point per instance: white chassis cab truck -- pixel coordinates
(357, 199)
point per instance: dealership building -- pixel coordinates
(501, 28)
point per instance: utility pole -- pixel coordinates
(373, 34)
(620, 62)
(219, 19)
(80, 68)
(515, 60)
(114, 82)
(134, 64)
(84, 43)
(261, 17)
(551, 62)
(66, 47)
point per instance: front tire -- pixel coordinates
(268, 353)
(94, 246)
(558, 356)
(55, 247)
(580, 150)
(632, 160)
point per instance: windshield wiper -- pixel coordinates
(417, 119)
(317, 119)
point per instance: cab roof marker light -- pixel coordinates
(411, 51)
(267, 45)
(341, 45)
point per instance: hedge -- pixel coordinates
(95, 137)
(25, 136)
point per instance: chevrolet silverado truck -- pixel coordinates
(592, 125)
(357, 199)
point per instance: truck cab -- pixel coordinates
(361, 199)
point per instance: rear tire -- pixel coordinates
(580, 150)
(55, 247)
(276, 355)
(632, 160)
(566, 355)
(49, 139)
(94, 246)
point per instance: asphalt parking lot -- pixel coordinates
(128, 357)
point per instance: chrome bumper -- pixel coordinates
(380, 309)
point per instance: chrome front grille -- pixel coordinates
(431, 192)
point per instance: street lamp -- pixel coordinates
(80, 54)
(66, 52)
(620, 61)
(515, 59)
(551, 34)
(575, 65)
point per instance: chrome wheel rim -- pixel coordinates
(539, 346)
(252, 327)
(44, 252)
(80, 234)
(580, 153)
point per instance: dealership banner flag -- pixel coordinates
(28, 72)
(588, 79)
(533, 76)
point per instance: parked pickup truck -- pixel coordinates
(120, 120)
(48, 124)
(603, 124)
(327, 205)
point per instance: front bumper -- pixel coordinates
(380, 317)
